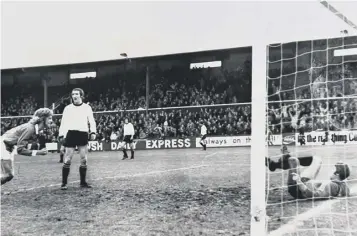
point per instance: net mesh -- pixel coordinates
(312, 108)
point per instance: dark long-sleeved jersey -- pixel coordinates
(20, 137)
(323, 189)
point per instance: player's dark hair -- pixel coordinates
(345, 172)
(81, 92)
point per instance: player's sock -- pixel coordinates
(125, 154)
(82, 174)
(132, 154)
(305, 161)
(65, 173)
(61, 158)
(201, 144)
(270, 164)
(281, 163)
(6, 179)
(204, 146)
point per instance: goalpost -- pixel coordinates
(312, 69)
(259, 55)
(262, 221)
(327, 81)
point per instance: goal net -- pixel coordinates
(312, 109)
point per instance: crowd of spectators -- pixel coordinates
(314, 115)
(19, 106)
(312, 108)
(175, 87)
(322, 98)
(182, 122)
(19, 100)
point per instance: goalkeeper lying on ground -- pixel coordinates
(302, 184)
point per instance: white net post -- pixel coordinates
(326, 106)
(258, 219)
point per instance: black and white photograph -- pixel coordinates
(135, 145)
(165, 118)
(311, 109)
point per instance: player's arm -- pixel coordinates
(132, 131)
(92, 123)
(63, 129)
(23, 142)
(345, 191)
(290, 115)
(308, 191)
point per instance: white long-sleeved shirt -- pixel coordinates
(129, 129)
(77, 117)
(203, 130)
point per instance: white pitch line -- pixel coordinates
(114, 177)
(292, 225)
(209, 155)
(106, 156)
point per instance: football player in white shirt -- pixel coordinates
(74, 131)
(203, 136)
(128, 138)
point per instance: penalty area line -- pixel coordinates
(292, 226)
(113, 177)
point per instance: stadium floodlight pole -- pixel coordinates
(45, 89)
(147, 76)
(337, 13)
(125, 55)
(147, 88)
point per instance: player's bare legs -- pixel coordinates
(83, 152)
(62, 151)
(7, 171)
(7, 164)
(313, 169)
(68, 155)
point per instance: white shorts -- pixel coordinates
(5, 154)
(312, 171)
(7, 160)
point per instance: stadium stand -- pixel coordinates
(181, 86)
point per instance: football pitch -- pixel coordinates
(308, 217)
(160, 192)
